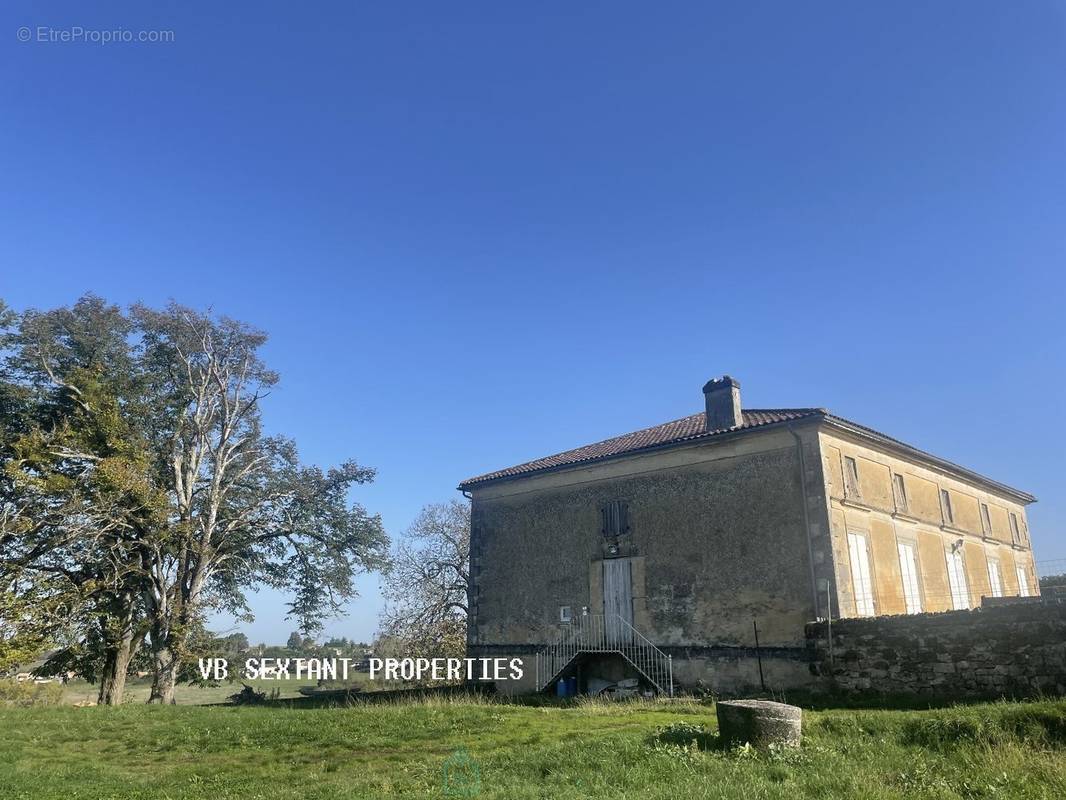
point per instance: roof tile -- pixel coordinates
(679, 430)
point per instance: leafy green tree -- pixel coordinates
(245, 511)
(235, 644)
(79, 504)
(1052, 584)
(143, 477)
(341, 643)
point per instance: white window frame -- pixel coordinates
(995, 581)
(960, 589)
(566, 615)
(862, 584)
(908, 567)
(1023, 582)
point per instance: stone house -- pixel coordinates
(715, 539)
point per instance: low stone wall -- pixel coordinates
(1012, 650)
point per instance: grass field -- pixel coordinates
(137, 690)
(588, 750)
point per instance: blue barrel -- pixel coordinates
(571, 687)
(560, 688)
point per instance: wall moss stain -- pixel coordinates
(721, 541)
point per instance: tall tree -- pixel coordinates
(160, 470)
(426, 582)
(244, 510)
(79, 504)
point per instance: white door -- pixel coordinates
(861, 582)
(908, 567)
(618, 600)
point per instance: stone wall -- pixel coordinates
(717, 537)
(1016, 649)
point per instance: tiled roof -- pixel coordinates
(680, 430)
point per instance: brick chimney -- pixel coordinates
(723, 403)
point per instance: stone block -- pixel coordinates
(760, 723)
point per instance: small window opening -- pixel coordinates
(615, 519)
(851, 477)
(899, 490)
(945, 504)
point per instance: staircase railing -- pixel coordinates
(600, 633)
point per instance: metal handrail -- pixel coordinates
(605, 633)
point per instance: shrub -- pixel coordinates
(14, 693)
(685, 735)
(1041, 725)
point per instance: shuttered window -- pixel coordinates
(994, 581)
(851, 477)
(908, 567)
(1023, 582)
(1015, 531)
(899, 491)
(860, 575)
(945, 507)
(986, 520)
(960, 592)
(615, 519)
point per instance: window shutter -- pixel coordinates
(615, 519)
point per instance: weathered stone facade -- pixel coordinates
(979, 529)
(717, 542)
(733, 519)
(1010, 650)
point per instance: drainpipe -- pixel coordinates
(806, 516)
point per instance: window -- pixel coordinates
(960, 592)
(861, 583)
(615, 519)
(994, 581)
(1015, 532)
(986, 520)
(851, 477)
(945, 507)
(899, 491)
(565, 614)
(908, 567)
(1023, 583)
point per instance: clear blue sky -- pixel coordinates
(482, 232)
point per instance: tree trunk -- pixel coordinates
(164, 677)
(117, 659)
(170, 638)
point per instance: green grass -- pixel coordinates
(588, 750)
(138, 689)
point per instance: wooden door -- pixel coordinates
(618, 600)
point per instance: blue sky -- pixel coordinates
(480, 233)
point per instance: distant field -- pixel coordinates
(137, 690)
(589, 750)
